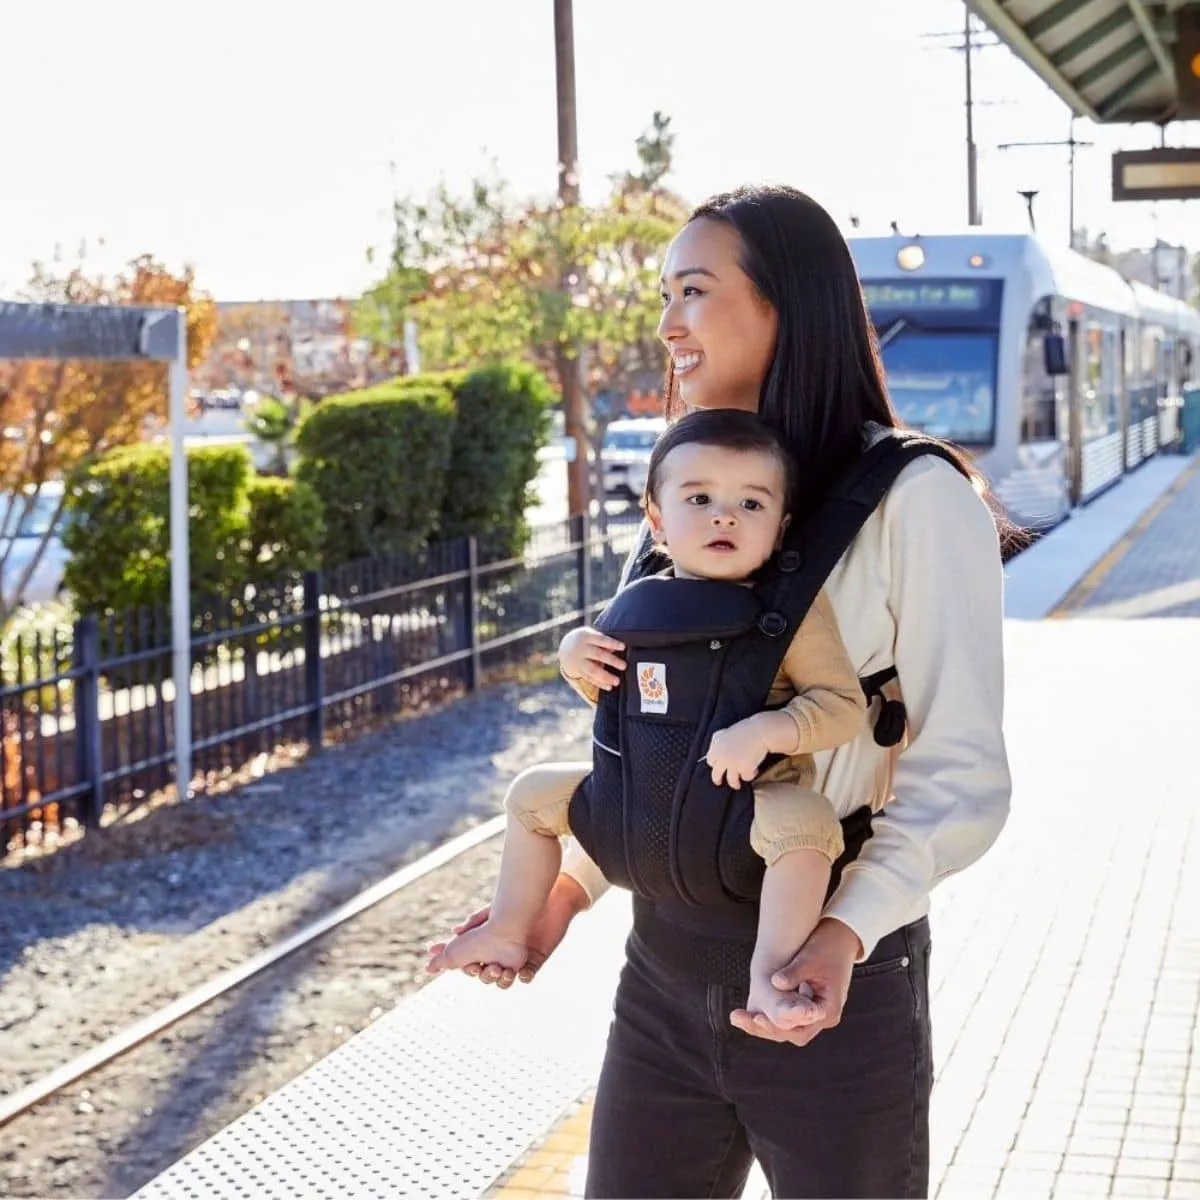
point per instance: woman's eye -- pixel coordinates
(691, 291)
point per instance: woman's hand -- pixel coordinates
(823, 964)
(566, 900)
(587, 654)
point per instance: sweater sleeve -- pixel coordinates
(829, 706)
(952, 783)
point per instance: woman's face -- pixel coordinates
(718, 329)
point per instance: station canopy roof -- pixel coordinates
(1111, 60)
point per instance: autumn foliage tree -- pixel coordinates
(58, 416)
(482, 277)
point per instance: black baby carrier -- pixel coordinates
(700, 655)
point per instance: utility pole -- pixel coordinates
(971, 41)
(570, 364)
(972, 178)
(1072, 142)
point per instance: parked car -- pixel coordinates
(625, 454)
(46, 581)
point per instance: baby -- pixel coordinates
(717, 497)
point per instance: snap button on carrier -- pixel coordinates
(790, 560)
(772, 624)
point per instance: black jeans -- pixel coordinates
(686, 1102)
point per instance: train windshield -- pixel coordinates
(943, 383)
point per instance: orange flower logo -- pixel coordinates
(650, 684)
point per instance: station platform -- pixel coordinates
(1066, 964)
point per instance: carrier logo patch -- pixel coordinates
(652, 684)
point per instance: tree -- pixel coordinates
(274, 423)
(482, 275)
(58, 416)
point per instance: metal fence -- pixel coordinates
(87, 710)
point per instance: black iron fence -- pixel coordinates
(87, 721)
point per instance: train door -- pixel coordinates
(1124, 377)
(1076, 382)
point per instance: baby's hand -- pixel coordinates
(588, 654)
(736, 753)
(787, 1010)
(483, 945)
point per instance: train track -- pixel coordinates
(115, 1047)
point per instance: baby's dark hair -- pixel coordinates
(729, 428)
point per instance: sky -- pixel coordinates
(262, 141)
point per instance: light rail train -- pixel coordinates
(1053, 371)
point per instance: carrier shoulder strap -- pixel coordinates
(813, 547)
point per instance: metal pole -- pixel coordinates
(972, 185)
(1071, 188)
(181, 608)
(569, 365)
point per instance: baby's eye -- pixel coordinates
(752, 505)
(699, 499)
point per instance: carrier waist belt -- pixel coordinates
(715, 945)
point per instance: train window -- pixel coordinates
(1166, 376)
(1150, 371)
(944, 383)
(1039, 390)
(1099, 380)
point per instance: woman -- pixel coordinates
(762, 310)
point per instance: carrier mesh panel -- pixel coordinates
(740, 868)
(608, 818)
(659, 755)
(606, 727)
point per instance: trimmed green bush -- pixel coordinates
(285, 529)
(503, 420)
(377, 459)
(119, 536)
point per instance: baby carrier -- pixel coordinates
(700, 655)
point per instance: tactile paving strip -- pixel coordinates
(436, 1098)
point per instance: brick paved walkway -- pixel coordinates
(1156, 573)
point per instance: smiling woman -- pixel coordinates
(706, 1068)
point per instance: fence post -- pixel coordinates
(314, 665)
(471, 605)
(89, 750)
(581, 534)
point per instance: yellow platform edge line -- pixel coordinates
(1078, 594)
(552, 1166)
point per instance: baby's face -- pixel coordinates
(719, 512)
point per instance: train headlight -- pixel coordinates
(977, 261)
(910, 257)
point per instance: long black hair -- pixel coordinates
(826, 379)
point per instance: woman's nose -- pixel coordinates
(670, 324)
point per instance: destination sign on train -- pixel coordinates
(959, 296)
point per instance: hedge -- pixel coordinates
(502, 419)
(241, 530)
(377, 458)
(118, 532)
